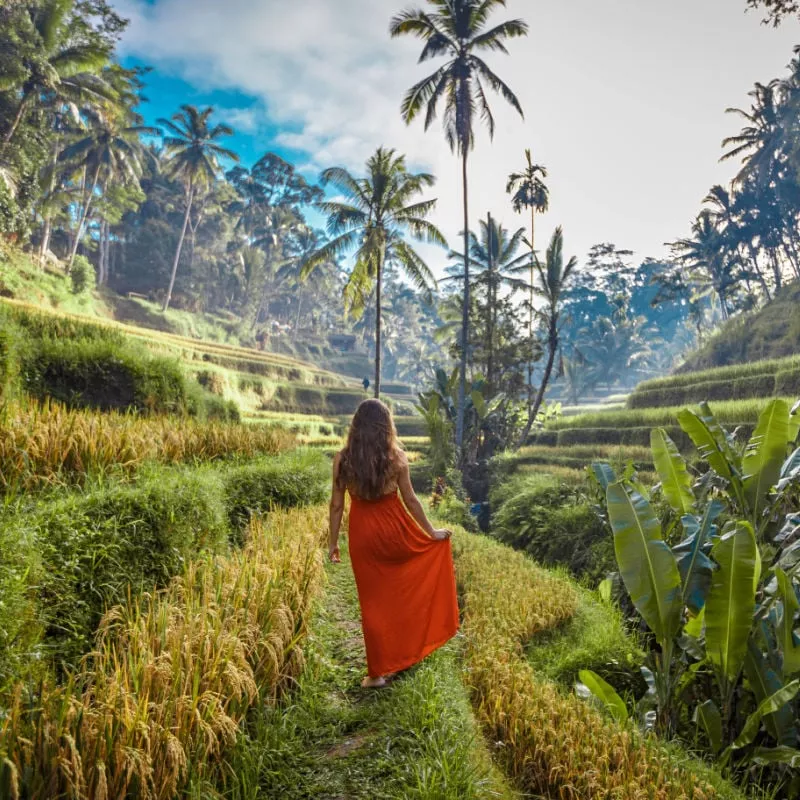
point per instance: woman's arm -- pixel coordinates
(414, 506)
(336, 510)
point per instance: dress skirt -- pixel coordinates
(406, 585)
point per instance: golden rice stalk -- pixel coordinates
(553, 744)
(172, 675)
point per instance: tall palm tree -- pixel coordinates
(192, 158)
(528, 190)
(553, 280)
(108, 149)
(459, 31)
(51, 64)
(372, 222)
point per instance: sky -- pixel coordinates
(624, 100)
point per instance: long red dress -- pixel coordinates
(406, 585)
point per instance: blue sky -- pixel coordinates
(625, 99)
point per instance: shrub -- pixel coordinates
(548, 524)
(451, 510)
(8, 361)
(82, 275)
(296, 479)
(91, 373)
(212, 382)
(97, 547)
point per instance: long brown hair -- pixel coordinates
(372, 452)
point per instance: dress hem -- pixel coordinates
(408, 663)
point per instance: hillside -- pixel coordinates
(771, 332)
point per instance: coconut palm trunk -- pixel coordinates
(378, 288)
(177, 259)
(552, 347)
(462, 383)
(84, 216)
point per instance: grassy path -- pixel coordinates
(336, 741)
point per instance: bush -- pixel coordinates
(97, 547)
(550, 525)
(8, 361)
(296, 479)
(91, 373)
(82, 275)
(451, 510)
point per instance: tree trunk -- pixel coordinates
(175, 263)
(378, 287)
(82, 223)
(548, 370)
(490, 309)
(48, 225)
(761, 279)
(17, 119)
(776, 269)
(462, 384)
(530, 313)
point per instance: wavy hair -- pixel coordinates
(371, 453)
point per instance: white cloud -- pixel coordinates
(624, 100)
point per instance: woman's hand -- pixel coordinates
(441, 534)
(333, 554)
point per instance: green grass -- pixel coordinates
(595, 638)
(333, 739)
(727, 412)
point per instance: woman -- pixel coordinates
(402, 564)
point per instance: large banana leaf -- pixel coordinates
(768, 706)
(788, 639)
(647, 565)
(693, 563)
(707, 714)
(722, 438)
(593, 684)
(707, 445)
(794, 422)
(765, 455)
(731, 602)
(676, 483)
(604, 474)
(764, 682)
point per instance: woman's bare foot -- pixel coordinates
(377, 683)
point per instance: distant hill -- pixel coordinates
(769, 333)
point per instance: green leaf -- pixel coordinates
(694, 565)
(647, 565)
(764, 682)
(707, 445)
(709, 717)
(794, 422)
(676, 483)
(788, 639)
(791, 465)
(768, 706)
(480, 404)
(731, 601)
(605, 693)
(604, 590)
(694, 625)
(776, 755)
(604, 474)
(765, 455)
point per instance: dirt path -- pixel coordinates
(336, 741)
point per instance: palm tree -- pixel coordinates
(712, 266)
(553, 279)
(108, 150)
(495, 252)
(529, 190)
(192, 158)
(458, 30)
(51, 64)
(379, 211)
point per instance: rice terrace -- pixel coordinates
(558, 242)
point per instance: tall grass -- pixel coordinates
(162, 697)
(549, 741)
(48, 444)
